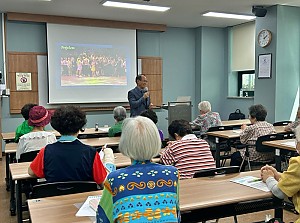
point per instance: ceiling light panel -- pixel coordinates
(229, 15)
(136, 6)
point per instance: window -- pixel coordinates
(246, 83)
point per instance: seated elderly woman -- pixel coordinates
(207, 118)
(143, 190)
(152, 115)
(293, 125)
(259, 127)
(68, 159)
(188, 153)
(24, 128)
(39, 117)
(285, 184)
(119, 115)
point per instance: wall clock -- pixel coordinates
(264, 38)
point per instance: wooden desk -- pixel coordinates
(9, 137)
(280, 145)
(212, 195)
(236, 123)
(97, 142)
(19, 172)
(94, 142)
(60, 209)
(10, 153)
(231, 134)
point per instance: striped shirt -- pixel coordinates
(249, 136)
(188, 155)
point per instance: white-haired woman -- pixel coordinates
(143, 191)
(119, 116)
(206, 118)
(286, 183)
(293, 125)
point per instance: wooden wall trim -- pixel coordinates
(25, 53)
(152, 58)
(14, 16)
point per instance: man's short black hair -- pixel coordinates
(138, 78)
(68, 120)
(26, 109)
(180, 127)
(150, 114)
(258, 111)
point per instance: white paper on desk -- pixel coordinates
(85, 210)
(104, 129)
(290, 143)
(250, 181)
(237, 131)
(101, 154)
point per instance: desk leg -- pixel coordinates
(217, 154)
(19, 201)
(7, 171)
(12, 197)
(278, 212)
(277, 160)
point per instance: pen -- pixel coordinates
(255, 180)
(104, 147)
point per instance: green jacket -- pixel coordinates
(117, 128)
(22, 129)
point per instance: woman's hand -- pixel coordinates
(243, 126)
(108, 155)
(276, 174)
(265, 174)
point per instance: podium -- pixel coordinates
(179, 110)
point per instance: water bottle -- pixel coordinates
(241, 92)
(96, 127)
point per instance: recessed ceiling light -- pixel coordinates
(136, 6)
(229, 16)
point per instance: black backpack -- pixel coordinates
(236, 115)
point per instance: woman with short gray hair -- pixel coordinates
(204, 106)
(140, 139)
(157, 184)
(119, 115)
(206, 118)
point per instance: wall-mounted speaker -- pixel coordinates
(259, 11)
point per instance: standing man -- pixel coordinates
(139, 97)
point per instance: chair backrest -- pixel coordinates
(281, 123)
(287, 135)
(265, 149)
(62, 188)
(217, 171)
(220, 128)
(28, 156)
(118, 134)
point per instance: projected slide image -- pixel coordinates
(92, 65)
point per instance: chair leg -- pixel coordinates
(235, 219)
(242, 163)
(249, 166)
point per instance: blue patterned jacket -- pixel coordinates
(143, 192)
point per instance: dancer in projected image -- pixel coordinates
(79, 67)
(82, 65)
